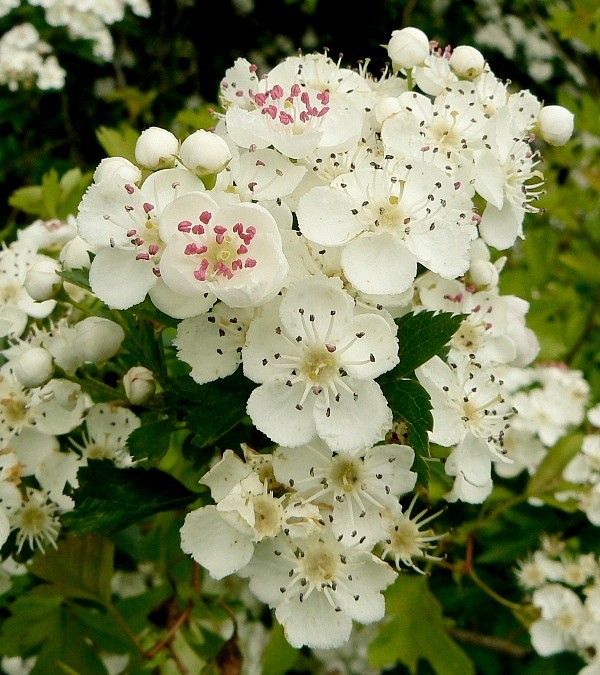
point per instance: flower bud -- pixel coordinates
(204, 152)
(119, 167)
(139, 384)
(156, 148)
(34, 367)
(98, 339)
(42, 280)
(483, 273)
(555, 124)
(75, 254)
(408, 47)
(467, 62)
(386, 106)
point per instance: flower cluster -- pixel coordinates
(27, 60)
(564, 587)
(289, 243)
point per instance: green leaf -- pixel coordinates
(78, 277)
(33, 618)
(109, 498)
(81, 567)
(219, 406)
(279, 656)
(67, 651)
(150, 440)
(28, 199)
(410, 403)
(548, 477)
(118, 142)
(422, 335)
(416, 631)
(51, 193)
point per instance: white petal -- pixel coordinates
(179, 306)
(374, 353)
(272, 408)
(489, 178)
(119, 280)
(355, 421)
(379, 264)
(213, 543)
(325, 217)
(500, 228)
(313, 622)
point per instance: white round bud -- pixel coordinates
(156, 148)
(75, 254)
(140, 385)
(483, 273)
(42, 281)
(556, 124)
(408, 47)
(204, 152)
(34, 367)
(97, 339)
(117, 167)
(467, 62)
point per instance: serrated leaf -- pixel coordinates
(416, 631)
(410, 403)
(109, 498)
(150, 441)
(421, 336)
(78, 276)
(81, 567)
(219, 406)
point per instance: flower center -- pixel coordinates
(296, 111)
(345, 474)
(268, 514)
(319, 565)
(319, 365)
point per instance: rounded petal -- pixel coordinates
(213, 543)
(272, 408)
(119, 280)
(325, 217)
(179, 306)
(379, 264)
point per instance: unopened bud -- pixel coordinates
(140, 385)
(98, 339)
(483, 273)
(75, 254)
(156, 148)
(386, 106)
(34, 367)
(556, 124)
(408, 47)
(42, 281)
(467, 62)
(117, 167)
(204, 152)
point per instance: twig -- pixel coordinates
(489, 642)
(164, 642)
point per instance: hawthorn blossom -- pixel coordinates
(121, 220)
(353, 489)
(315, 359)
(318, 587)
(232, 253)
(388, 218)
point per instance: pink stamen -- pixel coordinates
(242, 249)
(260, 99)
(205, 217)
(276, 92)
(295, 90)
(285, 118)
(236, 264)
(250, 262)
(131, 233)
(142, 256)
(259, 162)
(200, 273)
(153, 249)
(184, 226)
(148, 207)
(330, 348)
(198, 229)
(130, 189)
(323, 97)
(156, 272)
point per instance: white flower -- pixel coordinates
(467, 62)
(404, 540)
(97, 339)
(316, 359)
(562, 619)
(318, 587)
(36, 521)
(388, 218)
(34, 367)
(139, 385)
(122, 220)
(352, 488)
(232, 253)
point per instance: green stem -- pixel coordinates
(514, 606)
